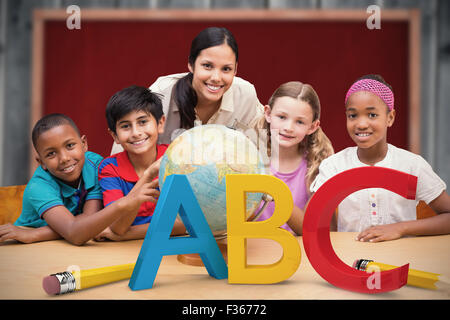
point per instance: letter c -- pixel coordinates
(316, 226)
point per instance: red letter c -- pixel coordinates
(316, 226)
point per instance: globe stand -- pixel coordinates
(193, 259)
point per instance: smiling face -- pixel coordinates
(61, 152)
(138, 132)
(368, 119)
(213, 73)
(290, 121)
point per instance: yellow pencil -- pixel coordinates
(69, 281)
(417, 278)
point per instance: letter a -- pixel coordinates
(176, 197)
(239, 230)
(374, 21)
(74, 20)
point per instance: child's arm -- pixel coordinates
(133, 233)
(80, 229)
(46, 233)
(92, 206)
(27, 235)
(439, 224)
(295, 222)
(138, 232)
(121, 225)
(333, 223)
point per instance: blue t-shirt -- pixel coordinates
(44, 191)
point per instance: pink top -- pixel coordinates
(297, 184)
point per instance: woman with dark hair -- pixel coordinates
(210, 93)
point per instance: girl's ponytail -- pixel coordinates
(186, 100)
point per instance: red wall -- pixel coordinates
(83, 68)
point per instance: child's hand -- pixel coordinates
(11, 232)
(107, 234)
(154, 167)
(144, 190)
(381, 233)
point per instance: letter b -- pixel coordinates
(239, 230)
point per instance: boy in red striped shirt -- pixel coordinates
(135, 119)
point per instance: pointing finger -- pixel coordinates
(152, 172)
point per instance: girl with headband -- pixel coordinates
(378, 214)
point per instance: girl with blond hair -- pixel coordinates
(296, 144)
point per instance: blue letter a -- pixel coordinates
(176, 197)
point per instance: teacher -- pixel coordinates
(210, 93)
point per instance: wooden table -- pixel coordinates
(22, 267)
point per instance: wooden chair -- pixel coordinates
(424, 211)
(10, 203)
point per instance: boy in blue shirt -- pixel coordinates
(63, 198)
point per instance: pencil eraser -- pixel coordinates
(51, 285)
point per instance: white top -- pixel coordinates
(239, 108)
(376, 206)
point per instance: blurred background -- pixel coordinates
(92, 58)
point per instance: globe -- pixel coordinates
(206, 154)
